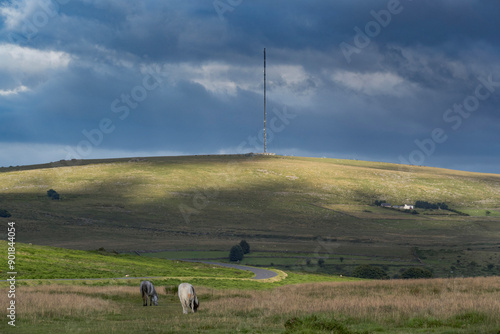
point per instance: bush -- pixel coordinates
(236, 253)
(416, 272)
(53, 194)
(431, 206)
(367, 271)
(245, 246)
(4, 213)
(314, 324)
(171, 289)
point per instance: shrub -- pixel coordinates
(4, 213)
(171, 289)
(245, 246)
(53, 194)
(314, 324)
(416, 272)
(367, 271)
(236, 253)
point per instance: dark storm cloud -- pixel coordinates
(186, 77)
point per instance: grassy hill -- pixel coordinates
(43, 262)
(323, 207)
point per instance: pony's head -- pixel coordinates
(154, 299)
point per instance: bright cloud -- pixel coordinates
(15, 13)
(25, 15)
(15, 58)
(14, 91)
(217, 78)
(377, 83)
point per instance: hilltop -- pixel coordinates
(323, 206)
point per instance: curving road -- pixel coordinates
(259, 273)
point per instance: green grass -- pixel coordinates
(481, 212)
(315, 324)
(42, 262)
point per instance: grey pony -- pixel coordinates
(148, 290)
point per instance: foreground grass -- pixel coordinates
(468, 305)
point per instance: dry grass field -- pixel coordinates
(465, 305)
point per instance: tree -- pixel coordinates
(245, 246)
(367, 271)
(443, 206)
(236, 253)
(321, 262)
(416, 272)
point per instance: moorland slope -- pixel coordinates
(322, 206)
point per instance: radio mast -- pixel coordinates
(265, 136)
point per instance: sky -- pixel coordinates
(401, 81)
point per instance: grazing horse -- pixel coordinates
(188, 298)
(148, 290)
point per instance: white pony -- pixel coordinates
(188, 298)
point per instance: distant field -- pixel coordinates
(338, 264)
(276, 203)
(188, 254)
